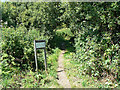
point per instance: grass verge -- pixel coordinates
(30, 79)
(78, 80)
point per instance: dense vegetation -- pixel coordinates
(92, 28)
(96, 26)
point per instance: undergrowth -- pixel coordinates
(79, 80)
(30, 79)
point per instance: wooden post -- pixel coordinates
(35, 55)
(45, 59)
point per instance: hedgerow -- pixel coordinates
(95, 27)
(18, 48)
(96, 31)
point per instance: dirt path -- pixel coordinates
(62, 79)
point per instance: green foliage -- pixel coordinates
(65, 32)
(42, 16)
(52, 62)
(96, 28)
(18, 48)
(96, 58)
(22, 23)
(62, 39)
(78, 79)
(30, 79)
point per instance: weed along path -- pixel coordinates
(62, 79)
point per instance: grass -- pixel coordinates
(78, 80)
(30, 79)
(73, 68)
(40, 79)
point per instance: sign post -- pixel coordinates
(40, 44)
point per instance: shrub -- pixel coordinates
(98, 58)
(18, 47)
(96, 37)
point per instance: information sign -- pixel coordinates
(40, 44)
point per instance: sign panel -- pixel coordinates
(40, 45)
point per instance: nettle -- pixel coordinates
(97, 58)
(96, 37)
(18, 48)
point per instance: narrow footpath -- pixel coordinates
(62, 78)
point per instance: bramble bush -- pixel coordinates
(18, 48)
(97, 59)
(27, 21)
(96, 30)
(42, 16)
(97, 40)
(95, 27)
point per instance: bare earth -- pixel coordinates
(62, 79)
